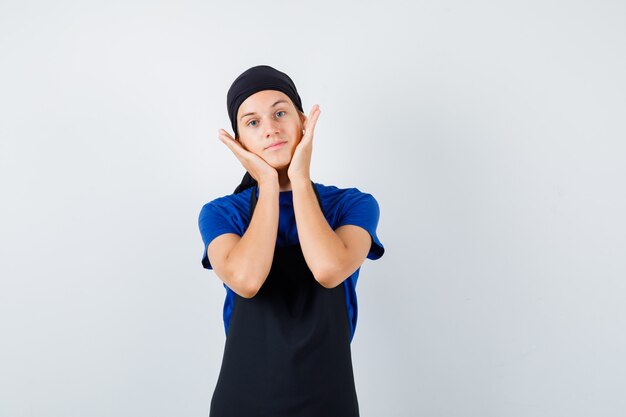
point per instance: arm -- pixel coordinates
(331, 256)
(247, 264)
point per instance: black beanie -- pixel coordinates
(253, 80)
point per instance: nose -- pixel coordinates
(271, 127)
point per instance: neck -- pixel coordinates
(283, 180)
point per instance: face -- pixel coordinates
(268, 117)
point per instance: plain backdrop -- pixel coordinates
(491, 134)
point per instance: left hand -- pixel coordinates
(300, 165)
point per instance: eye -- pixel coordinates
(278, 112)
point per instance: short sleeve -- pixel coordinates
(213, 222)
(361, 209)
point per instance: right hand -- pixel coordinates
(260, 170)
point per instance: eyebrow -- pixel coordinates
(273, 105)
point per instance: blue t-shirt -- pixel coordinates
(341, 206)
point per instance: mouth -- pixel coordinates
(276, 145)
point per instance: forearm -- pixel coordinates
(323, 250)
(255, 251)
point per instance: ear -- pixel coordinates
(303, 119)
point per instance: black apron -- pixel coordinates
(287, 351)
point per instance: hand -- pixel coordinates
(257, 167)
(300, 165)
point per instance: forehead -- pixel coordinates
(261, 100)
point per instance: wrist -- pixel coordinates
(300, 180)
(268, 182)
(300, 183)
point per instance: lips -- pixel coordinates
(275, 145)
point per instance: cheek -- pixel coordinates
(295, 145)
(245, 142)
(250, 148)
(297, 132)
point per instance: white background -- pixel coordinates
(490, 133)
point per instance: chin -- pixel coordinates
(279, 163)
(279, 166)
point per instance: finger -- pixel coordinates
(309, 129)
(229, 141)
(227, 138)
(312, 119)
(225, 134)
